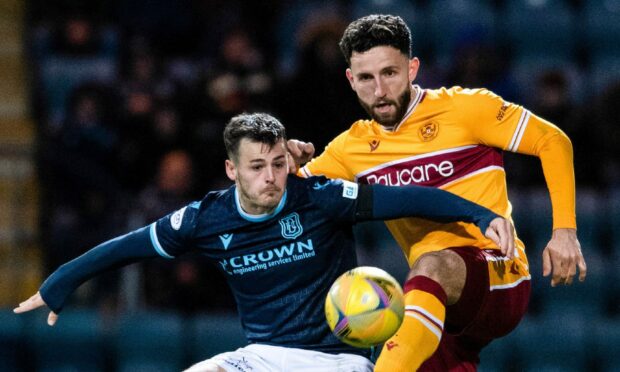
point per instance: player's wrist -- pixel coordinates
(564, 232)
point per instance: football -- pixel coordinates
(364, 307)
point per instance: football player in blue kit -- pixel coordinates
(280, 240)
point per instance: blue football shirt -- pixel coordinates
(278, 265)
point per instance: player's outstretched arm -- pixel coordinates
(112, 254)
(35, 302)
(441, 206)
(562, 256)
(300, 152)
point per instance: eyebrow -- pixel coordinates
(383, 69)
(264, 161)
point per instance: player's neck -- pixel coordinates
(254, 209)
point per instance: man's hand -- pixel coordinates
(501, 231)
(35, 302)
(300, 152)
(562, 256)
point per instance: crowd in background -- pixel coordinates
(131, 99)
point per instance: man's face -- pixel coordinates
(260, 174)
(381, 77)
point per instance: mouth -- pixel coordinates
(383, 107)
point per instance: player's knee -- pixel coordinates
(446, 268)
(206, 366)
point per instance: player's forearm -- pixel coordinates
(556, 157)
(430, 203)
(106, 256)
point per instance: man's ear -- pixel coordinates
(414, 66)
(231, 170)
(349, 74)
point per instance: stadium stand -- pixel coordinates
(214, 333)
(150, 341)
(544, 28)
(10, 340)
(456, 24)
(75, 343)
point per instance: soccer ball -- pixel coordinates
(364, 307)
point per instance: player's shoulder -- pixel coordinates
(215, 200)
(303, 184)
(313, 183)
(358, 129)
(455, 92)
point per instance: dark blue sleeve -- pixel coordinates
(425, 202)
(172, 234)
(337, 198)
(110, 255)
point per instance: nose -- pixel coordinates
(379, 88)
(269, 175)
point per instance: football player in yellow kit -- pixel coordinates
(462, 291)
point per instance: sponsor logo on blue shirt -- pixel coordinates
(268, 258)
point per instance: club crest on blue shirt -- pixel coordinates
(177, 218)
(291, 226)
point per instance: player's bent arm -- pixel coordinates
(380, 202)
(112, 254)
(555, 150)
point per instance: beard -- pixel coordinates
(390, 120)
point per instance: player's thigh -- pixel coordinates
(244, 359)
(205, 366)
(494, 298)
(447, 268)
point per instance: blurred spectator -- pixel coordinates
(316, 103)
(478, 64)
(601, 134)
(292, 19)
(145, 94)
(239, 81)
(71, 51)
(77, 36)
(187, 284)
(76, 163)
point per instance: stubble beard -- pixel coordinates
(401, 109)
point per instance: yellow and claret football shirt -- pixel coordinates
(452, 139)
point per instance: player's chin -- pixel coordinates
(385, 118)
(272, 199)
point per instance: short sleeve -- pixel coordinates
(493, 121)
(171, 235)
(330, 163)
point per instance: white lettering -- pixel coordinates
(285, 250)
(301, 246)
(249, 259)
(419, 170)
(446, 168)
(265, 255)
(416, 174)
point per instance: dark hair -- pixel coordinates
(375, 30)
(258, 127)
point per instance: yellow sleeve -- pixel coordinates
(553, 147)
(330, 163)
(497, 123)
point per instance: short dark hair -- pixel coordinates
(375, 30)
(257, 127)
